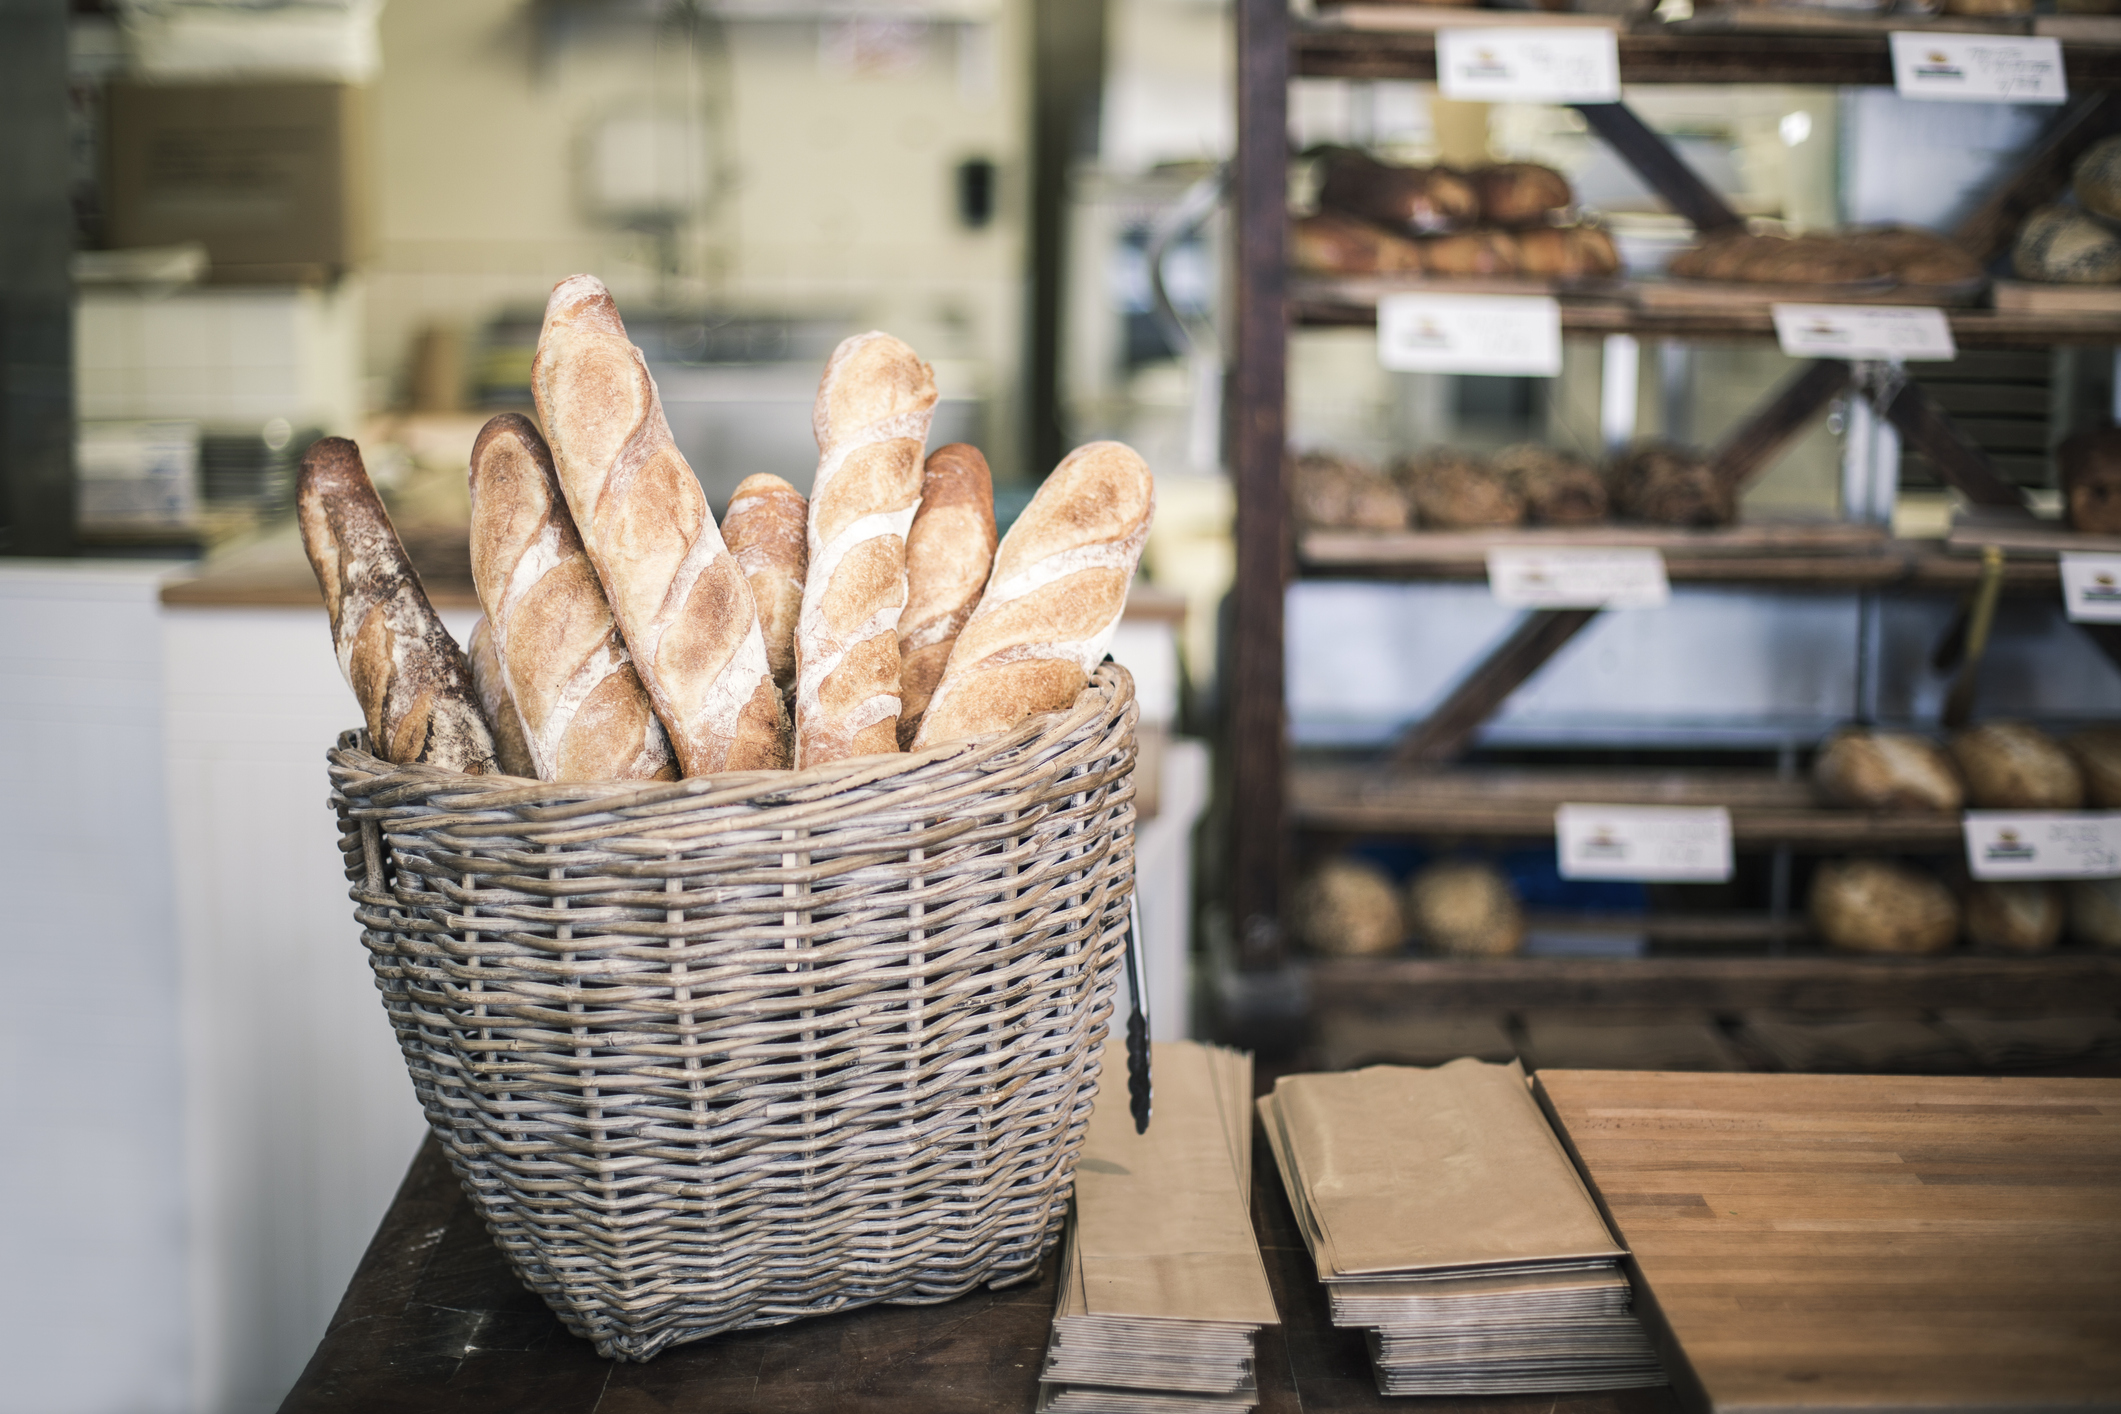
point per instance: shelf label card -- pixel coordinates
(1651, 844)
(2016, 844)
(2091, 588)
(1496, 334)
(1864, 331)
(1535, 64)
(1523, 578)
(1978, 68)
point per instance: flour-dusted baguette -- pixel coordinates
(583, 711)
(872, 414)
(681, 603)
(412, 680)
(511, 753)
(768, 530)
(1053, 600)
(948, 553)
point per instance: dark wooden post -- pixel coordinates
(1257, 414)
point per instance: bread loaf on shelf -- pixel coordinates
(1054, 598)
(1464, 908)
(873, 409)
(1670, 485)
(949, 551)
(2095, 177)
(681, 603)
(1878, 906)
(1348, 908)
(1332, 492)
(2089, 467)
(1409, 200)
(583, 711)
(1334, 243)
(1872, 770)
(2061, 245)
(2016, 766)
(1557, 488)
(1521, 193)
(511, 753)
(2097, 752)
(768, 530)
(1453, 490)
(412, 680)
(2021, 916)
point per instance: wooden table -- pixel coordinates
(433, 1321)
(1822, 1242)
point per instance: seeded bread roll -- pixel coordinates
(1348, 908)
(1454, 490)
(2016, 766)
(948, 554)
(2018, 916)
(681, 603)
(409, 675)
(1877, 906)
(1670, 485)
(2064, 246)
(1870, 770)
(1464, 908)
(584, 714)
(1557, 489)
(1053, 600)
(511, 753)
(768, 530)
(873, 408)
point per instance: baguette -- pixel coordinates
(582, 710)
(680, 601)
(948, 553)
(1053, 599)
(768, 530)
(872, 414)
(511, 753)
(412, 680)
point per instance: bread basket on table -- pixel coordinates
(738, 1049)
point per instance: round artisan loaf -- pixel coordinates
(1411, 200)
(1335, 243)
(2015, 766)
(1871, 770)
(1464, 908)
(1878, 906)
(1521, 193)
(1557, 489)
(1333, 492)
(2066, 247)
(1476, 252)
(1670, 485)
(2096, 178)
(1916, 256)
(1566, 252)
(2095, 913)
(2017, 916)
(2097, 752)
(1348, 908)
(2090, 468)
(1457, 490)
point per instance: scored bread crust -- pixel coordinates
(1053, 599)
(768, 530)
(873, 408)
(511, 753)
(681, 603)
(949, 551)
(411, 678)
(580, 704)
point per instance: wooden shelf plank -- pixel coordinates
(1824, 982)
(1519, 803)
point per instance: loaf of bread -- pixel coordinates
(1878, 906)
(1475, 252)
(1409, 200)
(2089, 465)
(768, 530)
(1556, 488)
(2061, 245)
(681, 603)
(2019, 916)
(2095, 913)
(1567, 252)
(1464, 908)
(1915, 256)
(2016, 766)
(511, 753)
(411, 678)
(1335, 243)
(1348, 908)
(1521, 193)
(1333, 492)
(1453, 490)
(949, 552)
(2096, 178)
(583, 711)
(1871, 770)
(1053, 600)
(1770, 259)
(1670, 485)
(873, 409)
(2097, 752)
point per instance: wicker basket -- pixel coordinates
(740, 1049)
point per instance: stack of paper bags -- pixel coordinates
(1162, 1289)
(1444, 1215)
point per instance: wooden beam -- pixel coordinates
(1653, 159)
(1753, 447)
(1928, 428)
(1444, 733)
(1255, 743)
(2040, 176)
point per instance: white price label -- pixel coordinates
(1423, 333)
(1558, 64)
(1653, 844)
(1520, 578)
(2078, 844)
(1978, 68)
(2091, 588)
(1864, 331)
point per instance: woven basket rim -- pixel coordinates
(363, 775)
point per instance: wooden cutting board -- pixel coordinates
(1822, 1242)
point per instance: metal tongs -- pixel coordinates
(1137, 1021)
